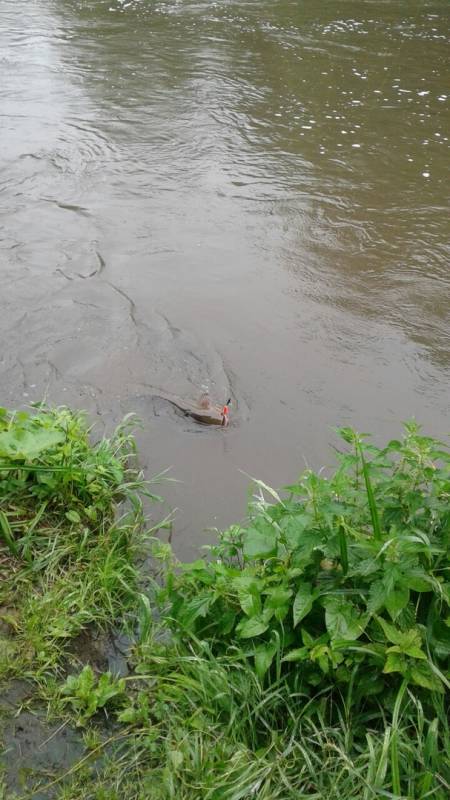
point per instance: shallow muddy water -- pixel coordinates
(249, 196)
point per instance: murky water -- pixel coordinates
(251, 196)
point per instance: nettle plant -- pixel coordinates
(344, 583)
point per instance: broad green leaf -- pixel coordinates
(343, 619)
(377, 597)
(278, 600)
(249, 594)
(24, 444)
(410, 650)
(196, 607)
(422, 674)
(396, 601)
(392, 634)
(303, 602)
(293, 529)
(395, 662)
(108, 688)
(366, 567)
(408, 642)
(303, 553)
(260, 542)
(419, 581)
(264, 655)
(194, 566)
(253, 626)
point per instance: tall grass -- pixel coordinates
(205, 727)
(70, 521)
(306, 657)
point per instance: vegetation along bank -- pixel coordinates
(306, 656)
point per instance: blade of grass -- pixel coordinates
(370, 495)
(8, 535)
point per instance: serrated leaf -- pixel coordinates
(343, 619)
(303, 602)
(377, 596)
(422, 674)
(407, 642)
(396, 600)
(368, 566)
(294, 527)
(412, 650)
(195, 607)
(260, 542)
(392, 634)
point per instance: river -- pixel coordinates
(247, 196)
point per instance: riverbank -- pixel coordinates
(306, 656)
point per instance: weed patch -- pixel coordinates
(306, 656)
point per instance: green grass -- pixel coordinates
(305, 657)
(71, 520)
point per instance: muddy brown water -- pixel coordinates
(248, 196)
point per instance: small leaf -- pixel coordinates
(298, 654)
(303, 602)
(412, 650)
(395, 662)
(73, 516)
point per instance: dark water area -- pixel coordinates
(247, 196)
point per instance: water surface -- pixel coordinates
(249, 196)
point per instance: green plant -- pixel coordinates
(71, 520)
(87, 694)
(344, 583)
(53, 478)
(306, 657)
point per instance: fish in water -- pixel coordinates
(202, 410)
